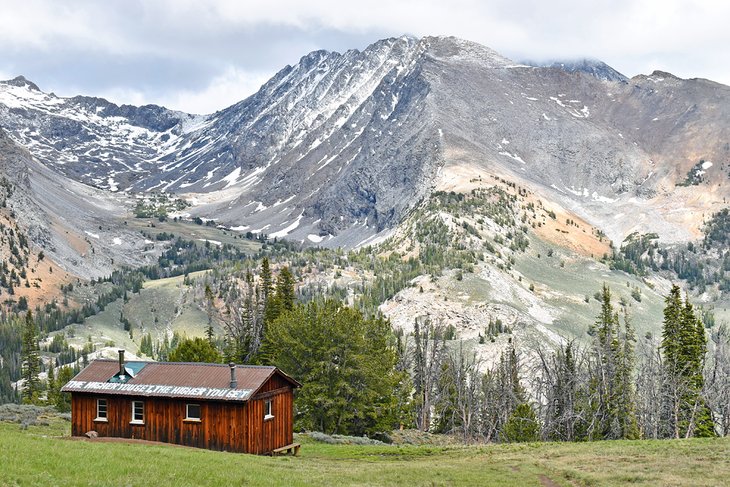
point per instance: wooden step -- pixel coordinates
(293, 448)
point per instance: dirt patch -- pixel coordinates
(557, 224)
(569, 231)
(78, 243)
(46, 278)
(547, 481)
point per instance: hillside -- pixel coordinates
(428, 179)
(78, 227)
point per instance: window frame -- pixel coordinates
(134, 412)
(268, 409)
(99, 418)
(193, 419)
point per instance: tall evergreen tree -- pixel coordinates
(285, 290)
(53, 386)
(510, 392)
(267, 282)
(684, 346)
(346, 362)
(31, 360)
(281, 298)
(625, 389)
(63, 399)
(612, 401)
(210, 306)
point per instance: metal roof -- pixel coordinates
(174, 379)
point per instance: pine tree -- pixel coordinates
(267, 282)
(195, 350)
(30, 357)
(209, 302)
(509, 390)
(285, 290)
(625, 390)
(684, 346)
(63, 399)
(613, 402)
(522, 425)
(346, 363)
(53, 387)
(672, 328)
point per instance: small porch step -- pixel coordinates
(293, 448)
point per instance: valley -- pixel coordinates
(429, 181)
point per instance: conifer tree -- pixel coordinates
(63, 399)
(522, 425)
(209, 303)
(346, 362)
(684, 346)
(267, 282)
(30, 357)
(285, 290)
(625, 389)
(613, 404)
(52, 386)
(510, 392)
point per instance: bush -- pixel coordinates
(522, 426)
(25, 414)
(343, 439)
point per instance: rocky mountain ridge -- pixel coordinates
(339, 148)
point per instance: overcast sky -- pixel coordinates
(200, 56)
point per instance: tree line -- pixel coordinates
(669, 388)
(362, 377)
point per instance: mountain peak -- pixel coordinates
(22, 82)
(663, 74)
(594, 67)
(455, 47)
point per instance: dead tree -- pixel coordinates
(428, 350)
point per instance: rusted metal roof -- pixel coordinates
(175, 379)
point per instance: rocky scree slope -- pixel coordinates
(78, 227)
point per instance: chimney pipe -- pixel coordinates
(121, 362)
(234, 382)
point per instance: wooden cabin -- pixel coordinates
(238, 408)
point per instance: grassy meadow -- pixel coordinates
(46, 455)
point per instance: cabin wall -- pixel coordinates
(264, 435)
(226, 426)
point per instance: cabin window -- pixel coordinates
(138, 412)
(268, 409)
(101, 410)
(192, 412)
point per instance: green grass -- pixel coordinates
(566, 287)
(44, 455)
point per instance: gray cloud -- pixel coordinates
(203, 55)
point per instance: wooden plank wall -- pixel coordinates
(266, 435)
(227, 426)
